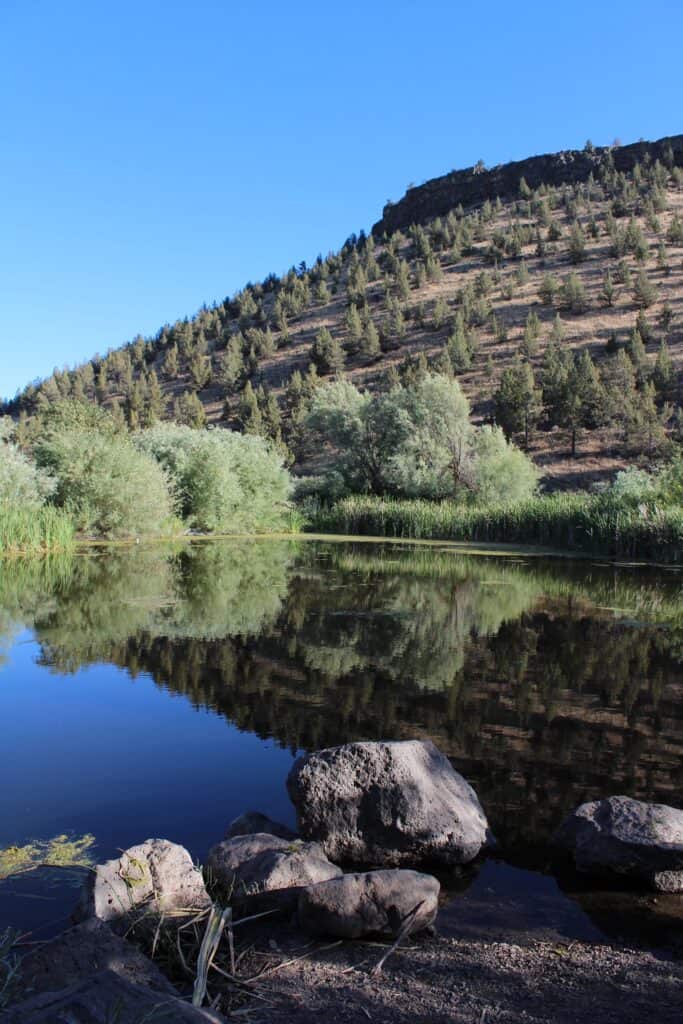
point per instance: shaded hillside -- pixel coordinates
(586, 252)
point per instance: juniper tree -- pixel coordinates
(370, 347)
(200, 371)
(249, 412)
(573, 294)
(440, 313)
(517, 400)
(354, 324)
(674, 234)
(548, 290)
(155, 403)
(532, 329)
(231, 367)
(664, 376)
(188, 410)
(644, 291)
(608, 292)
(326, 353)
(635, 349)
(402, 280)
(577, 243)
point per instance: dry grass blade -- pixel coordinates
(405, 928)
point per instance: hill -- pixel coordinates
(552, 288)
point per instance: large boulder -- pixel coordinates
(387, 803)
(369, 903)
(156, 874)
(246, 865)
(253, 821)
(626, 837)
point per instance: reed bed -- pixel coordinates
(595, 524)
(34, 531)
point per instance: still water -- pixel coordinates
(161, 691)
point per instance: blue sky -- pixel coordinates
(155, 156)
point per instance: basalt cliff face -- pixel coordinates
(438, 196)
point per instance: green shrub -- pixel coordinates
(108, 487)
(222, 481)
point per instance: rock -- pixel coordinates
(387, 803)
(81, 951)
(263, 863)
(626, 837)
(155, 873)
(254, 821)
(369, 903)
(103, 998)
(436, 197)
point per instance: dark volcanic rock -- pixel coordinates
(626, 837)
(387, 803)
(469, 187)
(81, 951)
(369, 903)
(106, 998)
(253, 821)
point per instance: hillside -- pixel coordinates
(475, 274)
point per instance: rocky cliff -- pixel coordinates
(476, 184)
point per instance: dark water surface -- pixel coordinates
(157, 691)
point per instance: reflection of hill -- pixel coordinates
(523, 673)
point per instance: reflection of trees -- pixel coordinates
(523, 673)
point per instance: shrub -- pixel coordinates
(109, 487)
(502, 472)
(222, 481)
(22, 484)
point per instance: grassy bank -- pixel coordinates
(34, 531)
(593, 524)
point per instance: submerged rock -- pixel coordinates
(156, 873)
(369, 903)
(626, 837)
(262, 862)
(253, 821)
(387, 803)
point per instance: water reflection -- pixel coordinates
(547, 682)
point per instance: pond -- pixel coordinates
(162, 690)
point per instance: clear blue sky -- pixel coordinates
(157, 155)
